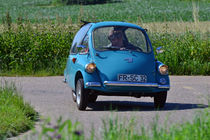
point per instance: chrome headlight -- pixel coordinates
(163, 69)
(90, 68)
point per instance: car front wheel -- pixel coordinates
(74, 96)
(81, 95)
(160, 100)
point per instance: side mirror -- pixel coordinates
(82, 49)
(81, 46)
(159, 50)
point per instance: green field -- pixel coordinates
(126, 10)
(35, 38)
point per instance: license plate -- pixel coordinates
(132, 78)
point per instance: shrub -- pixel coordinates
(185, 54)
(28, 51)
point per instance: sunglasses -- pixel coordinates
(114, 36)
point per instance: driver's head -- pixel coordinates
(115, 34)
(116, 37)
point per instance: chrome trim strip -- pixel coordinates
(164, 86)
(93, 84)
(116, 83)
(134, 84)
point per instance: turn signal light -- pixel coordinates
(90, 68)
(74, 60)
(163, 69)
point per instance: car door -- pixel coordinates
(76, 52)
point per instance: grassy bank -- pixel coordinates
(16, 116)
(40, 49)
(127, 10)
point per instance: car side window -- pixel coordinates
(85, 41)
(84, 46)
(79, 38)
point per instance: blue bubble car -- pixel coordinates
(114, 59)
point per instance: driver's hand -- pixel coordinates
(123, 48)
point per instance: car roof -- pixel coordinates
(113, 23)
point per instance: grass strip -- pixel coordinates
(16, 116)
(114, 129)
(198, 129)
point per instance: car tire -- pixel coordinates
(92, 98)
(64, 80)
(160, 100)
(74, 95)
(81, 95)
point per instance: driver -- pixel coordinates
(116, 38)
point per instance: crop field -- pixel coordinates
(36, 35)
(42, 50)
(123, 10)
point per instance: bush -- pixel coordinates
(185, 54)
(29, 51)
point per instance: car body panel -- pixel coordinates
(111, 63)
(124, 62)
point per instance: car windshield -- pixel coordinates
(120, 38)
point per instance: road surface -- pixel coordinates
(52, 98)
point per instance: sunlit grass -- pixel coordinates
(154, 27)
(177, 27)
(16, 116)
(197, 130)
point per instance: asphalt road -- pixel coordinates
(52, 98)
